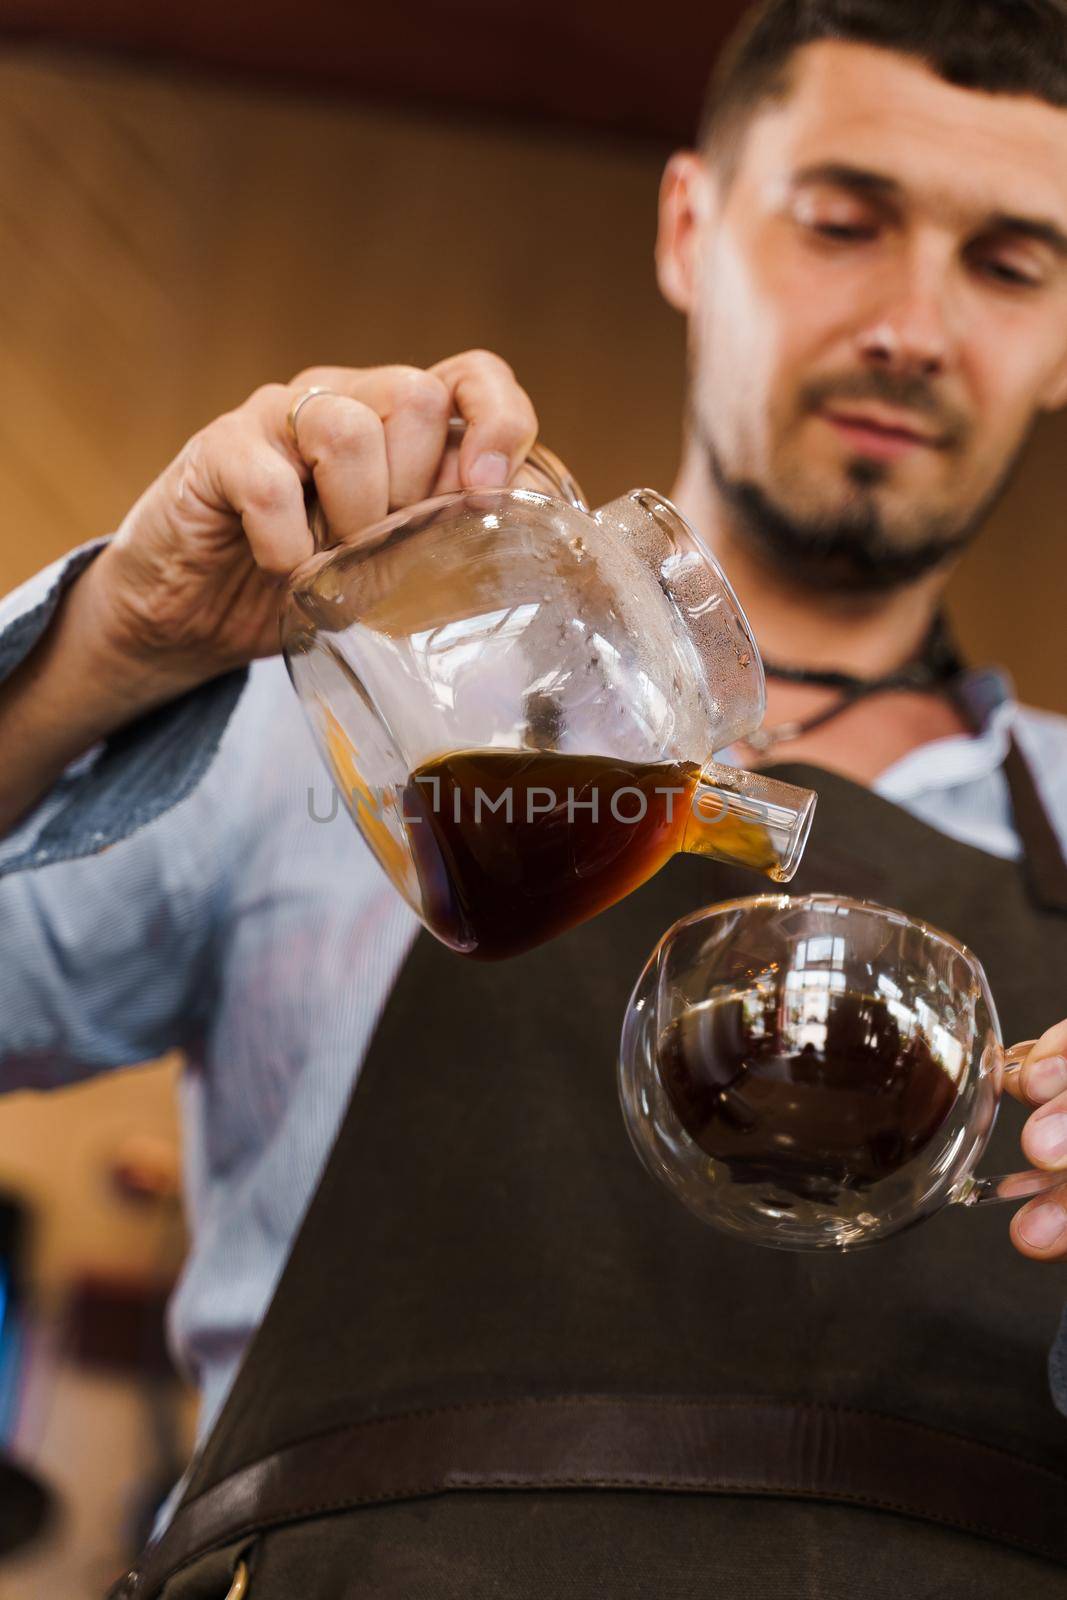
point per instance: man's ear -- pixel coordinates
(685, 193)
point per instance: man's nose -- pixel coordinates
(910, 332)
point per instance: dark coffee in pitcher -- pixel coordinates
(513, 847)
(811, 1106)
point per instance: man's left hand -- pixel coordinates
(1039, 1229)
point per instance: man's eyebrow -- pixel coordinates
(1047, 233)
(878, 185)
(846, 176)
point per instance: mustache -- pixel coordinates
(905, 392)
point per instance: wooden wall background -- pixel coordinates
(167, 244)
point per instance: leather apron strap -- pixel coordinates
(1043, 858)
(735, 1447)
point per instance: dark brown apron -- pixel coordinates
(502, 1361)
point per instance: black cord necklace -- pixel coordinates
(936, 666)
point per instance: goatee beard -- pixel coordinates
(849, 553)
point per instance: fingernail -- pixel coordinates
(1046, 1139)
(1046, 1078)
(490, 471)
(1042, 1226)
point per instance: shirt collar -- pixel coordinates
(987, 695)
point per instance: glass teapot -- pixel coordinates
(518, 699)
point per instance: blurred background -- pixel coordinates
(192, 204)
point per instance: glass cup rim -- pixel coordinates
(847, 902)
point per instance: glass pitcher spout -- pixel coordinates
(749, 820)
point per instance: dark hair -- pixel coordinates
(996, 46)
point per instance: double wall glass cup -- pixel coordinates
(816, 1073)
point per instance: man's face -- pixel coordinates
(893, 247)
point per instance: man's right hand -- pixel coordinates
(194, 579)
(193, 583)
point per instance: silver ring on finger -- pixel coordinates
(298, 405)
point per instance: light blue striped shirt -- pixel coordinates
(193, 885)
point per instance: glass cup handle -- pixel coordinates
(542, 464)
(1014, 1185)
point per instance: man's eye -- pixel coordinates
(846, 231)
(1010, 275)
